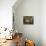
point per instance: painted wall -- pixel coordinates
(29, 8)
(43, 22)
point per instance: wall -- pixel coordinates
(6, 13)
(43, 22)
(29, 8)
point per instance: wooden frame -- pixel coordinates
(28, 20)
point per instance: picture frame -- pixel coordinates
(28, 19)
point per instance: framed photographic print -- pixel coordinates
(28, 20)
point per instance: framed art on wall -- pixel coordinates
(28, 20)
